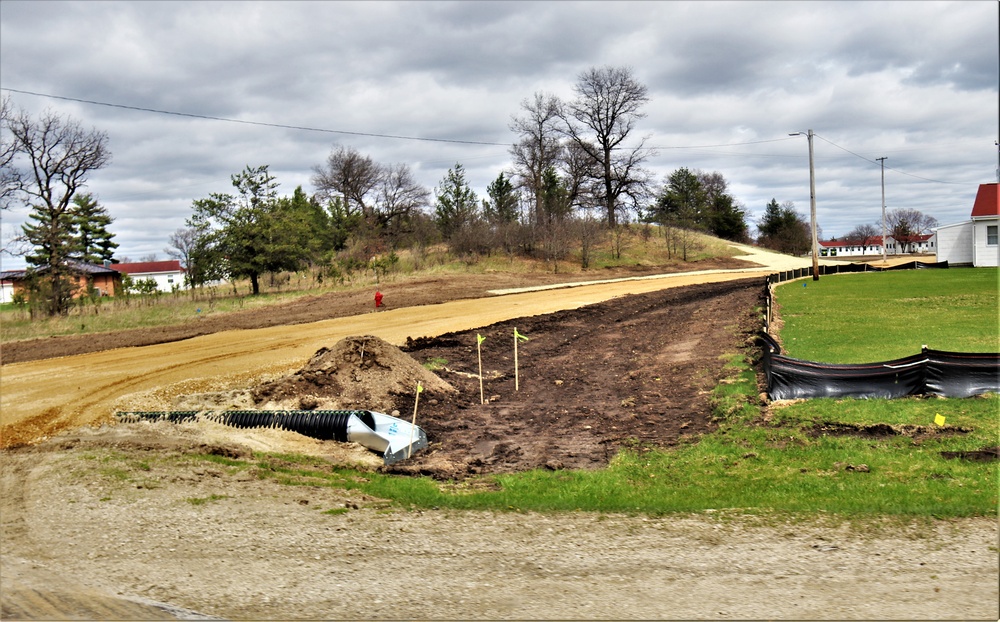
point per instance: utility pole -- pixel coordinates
(812, 207)
(882, 162)
(812, 204)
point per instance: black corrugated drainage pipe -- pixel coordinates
(392, 437)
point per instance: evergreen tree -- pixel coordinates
(683, 201)
(456, 203)
(253, 231)
(783, 229)
(94, 242)
(502, 204)
(555, 205)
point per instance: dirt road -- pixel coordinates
(79, 543)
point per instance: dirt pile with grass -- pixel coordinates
(360, 372)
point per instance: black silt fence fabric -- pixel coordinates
(932, 372)
(961, 374)
(846, 268)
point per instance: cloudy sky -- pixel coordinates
(432, 84)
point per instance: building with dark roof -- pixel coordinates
(102, 278)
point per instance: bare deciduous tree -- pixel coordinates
(59, 156)
(538, 147)
(9, 175)
(350, 176)
(398, 196)
(864, 236)
(599, 121)
(906, 223)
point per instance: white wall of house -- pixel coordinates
(6, 292)
(165, 281)
(986, 245)
(954, 243)
(851, 251)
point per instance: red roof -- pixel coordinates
(148, 267)
(986, 201)
(873, 241)
(919, 237)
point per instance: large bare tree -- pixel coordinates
(906, 223)
(538, 147)
(599, 120)
(59, 156)
(398, 196)
(350, 177)
(384, 195)
(864, 236)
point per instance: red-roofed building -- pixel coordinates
(976, 241)
(850, 248)
(168, 275)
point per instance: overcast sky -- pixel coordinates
(915, 82)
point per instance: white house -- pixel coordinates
(850, 248)
(975, 241)
(917, 243)
(168, 275)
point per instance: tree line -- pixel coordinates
(576, 176)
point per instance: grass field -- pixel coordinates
(811, 458)
(878, 316)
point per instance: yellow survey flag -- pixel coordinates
(479, 339)
(938, 419)
(519, 336)
(420, 387)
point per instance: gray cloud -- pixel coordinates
(913, 81)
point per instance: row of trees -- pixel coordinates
(570, 161)
(577, 173)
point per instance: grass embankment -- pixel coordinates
(640, 247)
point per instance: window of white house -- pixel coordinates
(991, 235)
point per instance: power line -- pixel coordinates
(421, 138)
(345, 132)
(752, 142)
(937, 181)
(260, 123)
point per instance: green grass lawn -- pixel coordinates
(879, 316)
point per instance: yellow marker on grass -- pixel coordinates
(938, 419)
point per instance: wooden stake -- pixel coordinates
(479, 353)
(517, 385)
(413, 424)
(517, 337)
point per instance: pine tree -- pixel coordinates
(456, 202)
(95, 244)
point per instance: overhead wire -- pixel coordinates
(432, 139)
(937, 181)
